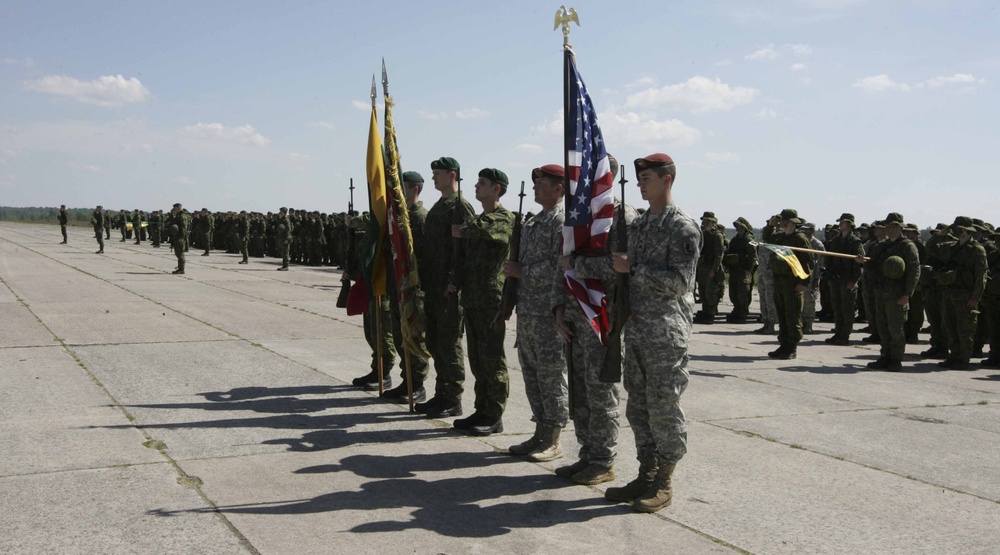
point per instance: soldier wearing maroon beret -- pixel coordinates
(663, 248)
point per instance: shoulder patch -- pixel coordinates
(688, 247)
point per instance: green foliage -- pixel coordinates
(39, 214)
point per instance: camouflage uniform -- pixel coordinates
(765, 280)
(97, 220)
(842, 272)
(937, 259)
(968, 262)
(243, 228)
(179, 237)
(787, 301)
(418, 368)
(811, 294)
(283, 234)
(595, 403)
(539, 348)
(890, 317)
(991, 300)
(444, 316)
(742, 262)
(665, 248)
(486, 241)
(710, 262)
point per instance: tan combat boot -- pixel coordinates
(594, 474)
(660, 494)
(636, 488)
(529, 445)
(548, 448)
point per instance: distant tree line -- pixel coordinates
(40, 214)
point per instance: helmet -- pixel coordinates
(894, 267)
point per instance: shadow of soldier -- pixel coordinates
(455, 506)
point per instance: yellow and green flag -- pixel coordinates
(373, 261)
(789, 257)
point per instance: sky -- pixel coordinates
(825, 106)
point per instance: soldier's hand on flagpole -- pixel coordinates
(622, 262)
(512, 269)
(860, 259)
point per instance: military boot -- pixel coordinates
(766, 329)
(880, 364)
(529, 445)
(660, 494)
(549, 448)
(648, 468)
(594, 474)
(570, 470)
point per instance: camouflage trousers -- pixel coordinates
(932, 310)
(740, 292)
(915, 316)
(487, 361)
(100, 238)
(655, 377)
(595, 403)
(543, 365)
(809, 298)
(381, 341)
(960, 323)
(711, 289)
(179, 248)
(245, 248)
(890, 322)
(765, 294)
(418, 368)
(788, 305)
(843, 301)
(443, 320)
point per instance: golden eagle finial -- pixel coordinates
(563, 18)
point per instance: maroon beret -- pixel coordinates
(657, 160)
(549, 170)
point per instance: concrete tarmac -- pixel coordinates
(143, 412)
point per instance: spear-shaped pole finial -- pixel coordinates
(374, 94)
(385, 80)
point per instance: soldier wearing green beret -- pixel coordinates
(486, 240)
(961, 293)
(893, 288)
(444, 319)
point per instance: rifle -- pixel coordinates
(458, 253)
(350, 264)
(509, 299)
(611, 371)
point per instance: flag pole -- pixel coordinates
(812, 251)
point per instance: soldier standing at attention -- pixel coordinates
(284, 235)
(662, 258)
(63, 220)
(539, 350)
(789, 288)
(811, 294)
(710, 269)
(960, 298)
(97, 220)
(765, 278)
(486, 240)
(243, 228)
(137, 226)
(179, 228)
(742, 257)
(595, 402)
(444, 318)
(894, 267)
(915, 316)
(413, 184)
(843, 275)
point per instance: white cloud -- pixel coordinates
(800, 67)
(879, 83)
(697, 94)
(635, 129)
(299, 156)
(91, 168)
(324, 125)
(107, 91)
(26, 62)
(766, 53)
(724, 63)
(182, 180)
(956, 79)
(244, 134)
(644, 81)
(722, 157)
(433, 116)
(799, 49)
(360, 105)
(765, 114)
(471, 113)
(528, 148)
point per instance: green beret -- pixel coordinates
(445, 163)
(412, 177)
(495, 175)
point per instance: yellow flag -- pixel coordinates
(377, 206)
(789, 257)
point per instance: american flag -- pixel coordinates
(590, 205)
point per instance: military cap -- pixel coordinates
(445, 163)
(742, 222)
(101, 207)
(846, 216)
(809, 225)
(989, 227)
(894, 218)
(878, 224)
(940, 226)
(549, 170)
(790, 215)
(964, 222)
(495, 175)
(911, 227)
(863, 227)
(709, 216)
(177, 205)
(977, 221)
(282, 209)
(412, 177)
(658, 160)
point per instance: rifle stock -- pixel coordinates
(611, 370)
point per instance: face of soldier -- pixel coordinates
(845, 227)
(443, 180)
(652, 186)
(788, 227)
(548, 192)
(893, 231)
(487, 190)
